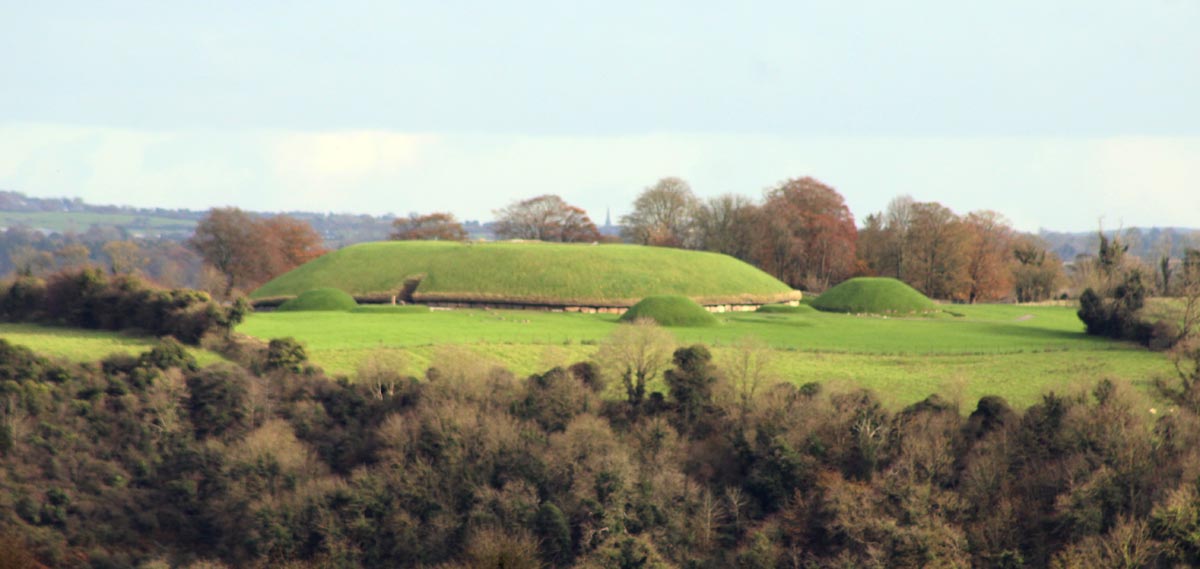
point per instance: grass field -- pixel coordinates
(602, 275)
(81, 221)
(1017, 352)
(85, 345)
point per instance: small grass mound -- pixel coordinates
(784, 309)
(874, 296)
(329, 299)
(670, 310)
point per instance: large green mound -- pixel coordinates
(321, 299)
(554, 274)
(670, 310)
(874, 296)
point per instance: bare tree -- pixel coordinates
(124, 257)
(725, 224)
(438, 226)
(637, 353)
(663, 214)
(545, 218)
(749, 367)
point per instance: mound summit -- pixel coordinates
(874, 295)
(538, 274)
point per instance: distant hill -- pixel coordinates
(1149, 243)
(73, 215)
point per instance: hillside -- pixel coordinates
(534, 273)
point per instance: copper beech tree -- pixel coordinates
(439, 226)
(805, 234)
(249, 250)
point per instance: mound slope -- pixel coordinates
(670, 310)
(552, 274)
(320, 299)
(873, 295)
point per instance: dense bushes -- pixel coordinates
(89, 298)
(149, 461)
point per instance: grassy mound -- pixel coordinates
(784, 309)
(670, 310)
(321, 299)
(528, 273)
(874, 296)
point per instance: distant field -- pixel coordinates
(600, 275)
(85, 345)
(1014, 351)
(81, 221)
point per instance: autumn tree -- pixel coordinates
(249, 251)
(124, 257)
(439, 226)
(936, 253)
(72, 255)
(806, 234)
(989, 256)
(663, 214)
(292, 243)
(30, 262)
(1037, 272)
(545, 218)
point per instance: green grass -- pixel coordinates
(321, 299)
(670, 310)
(784, 309)
(79, 345)
(1014, 351)
(81, 221)
(391, 309)
(602, 275)
(873, 295)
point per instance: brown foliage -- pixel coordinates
(438, 226)
(806, 234)
(249, 251)
(545, 218)
(989, 257)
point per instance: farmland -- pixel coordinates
(1014, 351)
(81, 346)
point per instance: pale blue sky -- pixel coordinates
(1054, 113)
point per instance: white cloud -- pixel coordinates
(1058, 183)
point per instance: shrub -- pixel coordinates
(873, 295)
(285, 354)
(217, 400)
(325, 299)
(669, 310)
(88, 298)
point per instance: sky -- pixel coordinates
(1060, 115)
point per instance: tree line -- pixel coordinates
(651, 455)
(803, 233)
